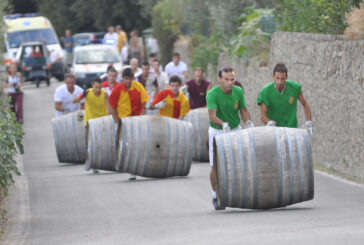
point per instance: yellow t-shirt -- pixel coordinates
(95, 106)
(121, 40)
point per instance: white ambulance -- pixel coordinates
(23, 28)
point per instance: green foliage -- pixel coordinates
(11, 135)
(252, 39)
(316, 16)
(93, 15)
(166, 27)
(206, 50)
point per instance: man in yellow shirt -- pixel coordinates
(172, 102)
(121, 42)
(96, 101)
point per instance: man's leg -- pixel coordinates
(212, 133)
(19, 107)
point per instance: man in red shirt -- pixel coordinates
(172, 102)
(111, 82)
(197, 89)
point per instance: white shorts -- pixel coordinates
(212, 133)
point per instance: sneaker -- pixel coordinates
(216, 205)
(95, 171)
(132, 177)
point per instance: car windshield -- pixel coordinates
(41, 35)
(96, 56)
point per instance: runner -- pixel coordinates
(13, 83)
(172, 102)
(128, 99)
(278, 101)
(224, 103)
(64, 94)
(111, 81)
(197, 89)
(96, 102)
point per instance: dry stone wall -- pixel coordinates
(331, 70)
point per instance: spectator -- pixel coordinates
(110, 37)
(152, 58)
(64, 94)
(68, 46)
(13, 83)
(134, 65)
(176, 67)
(122, 38)
(162, 77)
(197, 89)
(135, 49)
(149, 81)
(153, 44)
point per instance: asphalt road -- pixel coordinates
(68, 205)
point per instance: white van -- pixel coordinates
(23, 28)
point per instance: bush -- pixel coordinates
(206, 50)
(252, 39)
(11, 135)
(355, 20)
(166, 29)
(316, 16)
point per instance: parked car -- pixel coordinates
(85, 38)
(34, 62)
(90, 61)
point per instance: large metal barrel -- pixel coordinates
(200, 122)
(155, 146)
(263, 167)
(101, 144)
(69, 135)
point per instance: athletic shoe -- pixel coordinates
(216, 205)
(132, 177)
(95, 171)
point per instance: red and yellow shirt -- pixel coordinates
(128, 102)
(175, 107)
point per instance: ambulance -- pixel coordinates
(23, 28)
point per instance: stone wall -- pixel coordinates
(331, 70)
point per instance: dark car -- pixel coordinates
(87, 38)
(33, 60)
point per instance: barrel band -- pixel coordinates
(254, 167)
(123, 150)
(147, 149)
(300, 162)
(279, 168)
(108, 160)
(221, 168)
(131, 143)
(176, 125)
(310, 168)
(291, 176)
(138, 146)
(101, 145)
(168, 147)
(93, 145)
(242, 166)
(74, 130)
(230, 163)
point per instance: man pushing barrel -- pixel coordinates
(128, 99)
(224, 103)
(278, 101)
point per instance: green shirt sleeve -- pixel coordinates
(211, 100)
(242, 103)
(262, 97)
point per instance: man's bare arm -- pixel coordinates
(306, 107)
(58, 106)
(214, 119)
(263, 113)
(245, 114)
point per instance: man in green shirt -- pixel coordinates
(224, 103)
(278, 101)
